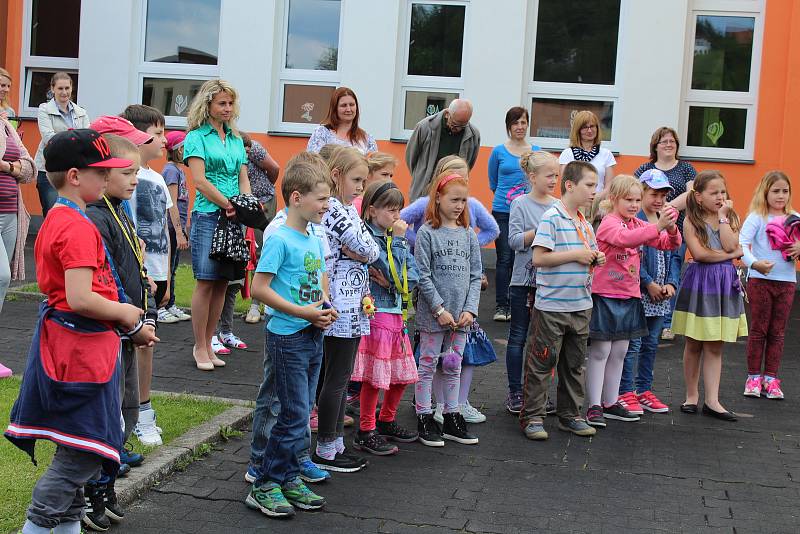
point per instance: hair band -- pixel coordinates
(447, 179)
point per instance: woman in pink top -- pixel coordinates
(618, 315)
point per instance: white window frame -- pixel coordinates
(31, 64)
(432, 84)
(747, 100)
(572, 91)
(286, 76)
(177, 71)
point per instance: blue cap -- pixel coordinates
(655, 179)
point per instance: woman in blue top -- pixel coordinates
(507, 182)
(214, 152)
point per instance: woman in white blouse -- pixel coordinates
(584, 145)
(340, 126)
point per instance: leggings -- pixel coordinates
(369, 401)
(465, 383)
(770, 304)
(340, 353)
(433, 345)
(604, 371)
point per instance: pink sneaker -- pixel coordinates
(5, 372)
(752, 388)
(313, 420)
(631, 403)
(773, 388)
(651, 403)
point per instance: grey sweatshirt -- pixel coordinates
(449, 263)
(525, 215)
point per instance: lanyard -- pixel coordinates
(579, 228)
(120, 291)
(402, 288)
(133, 242)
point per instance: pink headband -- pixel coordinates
(447, 179)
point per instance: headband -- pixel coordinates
(381, 190)
(447, 179)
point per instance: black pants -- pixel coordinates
(340, 353)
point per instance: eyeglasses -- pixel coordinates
(589, 127)
(667, 142)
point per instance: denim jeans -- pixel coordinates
(295, 364)
(642, 355)
(520, 298)
(505, 259)
(47, 193)
(265, 415)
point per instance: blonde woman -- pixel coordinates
(584, 145)
(214, 152)
(6, 110)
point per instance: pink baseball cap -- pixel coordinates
(111, 124)
(175, 139)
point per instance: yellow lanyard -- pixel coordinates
(134, 244)
(402, 288)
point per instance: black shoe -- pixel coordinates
(113, 510)
(428, 431)
(550, 407)
(95, 518)
(355, 457)
(339, 464)
(394, 432)
(455, 429)
(374, 443)
(619, 412)
(689, 408)
(724, 416)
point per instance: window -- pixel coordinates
(309, 68)
(433, 49)
(722, 62)
(170, 96)
(573, 67)
(50, 44)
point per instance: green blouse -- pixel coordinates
(223, 162)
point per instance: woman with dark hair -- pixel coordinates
(340, 126)
(507, 182)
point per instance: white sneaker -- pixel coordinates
(437, 413)
(164, 316)
(179, 313)
(253, 314)
(218, 347)
(471, 414)
(146, 429)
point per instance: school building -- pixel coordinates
(724, 73)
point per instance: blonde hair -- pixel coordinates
(621, 186)
(759, 203)
(451, 165)
(344, 160)
(583, 118)
(531, 162)
(379, 160)
(5, 103)
(302, 174)
(120, 146)
(198, 113)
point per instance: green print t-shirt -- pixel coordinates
(297, 260)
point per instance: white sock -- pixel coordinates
(339, 445)
(326, 450)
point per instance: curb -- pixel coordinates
(163, 461)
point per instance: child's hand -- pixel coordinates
(600, 259)
(146, 337)
(736, 254)
(667, 219)
(319, 317)
(446, 319)
(585, 256)
(668, 291)
(763, 266)
(376, 275)
(726, 208)
(129, 316)
(355, 256)
(399, 228)
(465, 320)
(655, 291)
(794, 250)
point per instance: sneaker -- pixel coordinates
(394, 432)
(594, 416)
(549, 407)
(127, 456)
(229, 339)
(5, 372)
(667, 334)
(437, 413)
(253, 315)
(95, 511)
(123, 470)
(772, 387)
(113, 510)
(218, 347)
(300, 496)
(313, 420)
(618, 412)
(164, 316)
(513, 403)
(145, 429)
(179, 313)
(455, 429)
(471, 414)
(651, 403)
(630, 402)
(355, 457)
(372, 442)
(535, 431)
(340, 464)
(577, 427)
(428, 431)
(251, 475)
(752, 387)
(502, 314)
(349, 421)
(270, 500)
(309, 472)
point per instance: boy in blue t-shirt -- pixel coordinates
(291, 279)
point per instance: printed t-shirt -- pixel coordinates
(149, 205)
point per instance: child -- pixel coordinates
(384, 360)
(381, 167)
(709, 309)
(449, 261)
(291, 279)
(149, 205)
(618, 314)
(564, 254)
(541, 168)
(352, 249)
(770, 286)
(659, 275)
(70, 389)
(175, 178)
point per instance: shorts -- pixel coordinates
(200, 235)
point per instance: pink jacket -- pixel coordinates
(621, 240)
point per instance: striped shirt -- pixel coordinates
(566, 287)
(8, 184)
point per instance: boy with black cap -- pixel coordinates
(70, 389)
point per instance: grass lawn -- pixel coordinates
(18, 475)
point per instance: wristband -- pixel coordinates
(135, 329)
(439, 312)
(724, 220)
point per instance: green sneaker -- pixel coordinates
(300, 496)
(270, 500)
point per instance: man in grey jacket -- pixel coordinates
(446, 133)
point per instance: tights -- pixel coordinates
(604, 371)
(463, 389)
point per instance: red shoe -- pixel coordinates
(313, 421)
(630, 402)
(651, 403)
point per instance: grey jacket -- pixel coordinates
(51, 122)
(423, 147)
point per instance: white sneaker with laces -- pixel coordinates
(471, 414)
(146, 429)
(253, 314)
(164, 316)
(218, 347)
(179, 313)
(229, 339)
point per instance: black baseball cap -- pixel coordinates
(80, 149)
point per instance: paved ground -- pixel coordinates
(667, 473)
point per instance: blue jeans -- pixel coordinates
(519, 297)
(47, 193)
(200, 235)
(505, 260)
(295, 361)
(644, 350)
